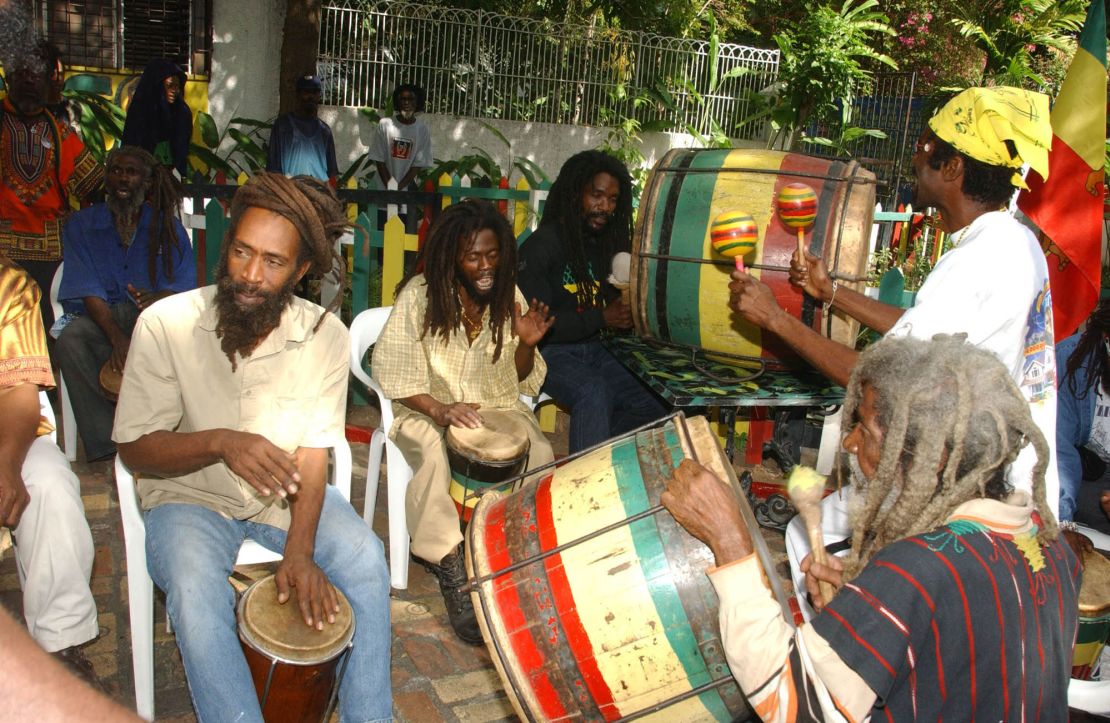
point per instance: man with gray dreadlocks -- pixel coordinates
(232, 397)
(587, 219)
(958, 602)
(120, 257)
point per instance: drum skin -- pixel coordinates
(615, 624)
(486, 456)
(304, 661)
(1094, 616)
(684, 301)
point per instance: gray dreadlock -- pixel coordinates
(312, 207)
(953, 420)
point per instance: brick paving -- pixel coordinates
(435, 676)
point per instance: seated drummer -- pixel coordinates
(121, 256)
(461, 339)
(565, 263)
(232, 397)
(957, 600)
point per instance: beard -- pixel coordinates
(125, 213)
(473, 291)
(243, 329)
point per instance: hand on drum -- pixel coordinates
(815, 571)
(708, 509)
(459, 414)
(812, 277)
(315, 596)
(118, 357)
(531, 327)
(264, 465)
(145, 297)
(617, 315)
(752, 299)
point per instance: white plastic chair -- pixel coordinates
(69, 422)
(140, 588)
(365, 330)
(1092, 696)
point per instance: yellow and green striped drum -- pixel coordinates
(495, 452)
(680, 284)
(593, 602)
(1094, 616)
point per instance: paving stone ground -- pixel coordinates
(435, 676)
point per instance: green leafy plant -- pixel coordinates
(99, 121)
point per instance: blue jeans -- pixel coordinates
(190, 553)
(604, 398)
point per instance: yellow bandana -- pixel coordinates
(978, 121)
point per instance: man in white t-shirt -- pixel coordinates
(992, 285)
(402, 145)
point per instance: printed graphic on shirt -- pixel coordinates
(1099, 442)
(401, 148)
(569, 282)
(1039, 368)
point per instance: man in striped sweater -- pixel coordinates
(957, 601)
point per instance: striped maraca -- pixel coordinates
(797, 204)
(734, 234)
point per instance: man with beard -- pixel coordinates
(992, 285)
(232, 397)
(587, 219)
(121, 256)
(44, 166)
(300, 143)
(958, 601)
(460, 339)
(40, 497)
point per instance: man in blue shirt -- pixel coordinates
(121, 256)
(300, 143)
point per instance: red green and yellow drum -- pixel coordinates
(680, 284)
(1094, 616)
(495, 452)
(601, 627)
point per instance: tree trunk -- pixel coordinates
(300, 39)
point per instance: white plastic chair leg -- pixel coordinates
(140, 593)
(399, 475)
(373, 475)
(69, 422)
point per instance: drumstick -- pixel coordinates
(806, 489)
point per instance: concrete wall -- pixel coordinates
(246, 49)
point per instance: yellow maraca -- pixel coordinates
(797, 205)
(734, 234)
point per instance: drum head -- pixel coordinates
(1094, 595)
(279, 632)
(110, 380)
(501, 437)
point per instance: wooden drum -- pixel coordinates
(492, 453)
(680, 285)
(296, 669)
(593, 601)
(110, 381)
(1094, 616)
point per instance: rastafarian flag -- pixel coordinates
(1068, 206)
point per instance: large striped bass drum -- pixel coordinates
(594, 603)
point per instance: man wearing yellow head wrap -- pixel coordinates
(991, 285)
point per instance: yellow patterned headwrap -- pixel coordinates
(978, 121)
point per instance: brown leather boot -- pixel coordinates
(451, 573)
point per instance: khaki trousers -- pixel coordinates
(433, 520)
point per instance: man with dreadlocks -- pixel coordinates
(232, 397)
(121, 256)
(587, 219)
(959, 601)
(460, 339)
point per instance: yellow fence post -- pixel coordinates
(395, 242)
(521, 208)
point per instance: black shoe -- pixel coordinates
(451, 573)
(74, 659)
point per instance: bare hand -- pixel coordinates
(145, 297)
(531, 327)
(315, 595)
(459, 414)
(1080, 544)
(811, 277)
(13, 495)
(118, 358)
(752, 299)
(708, 509)
(617, 315)
(815, 572)
(264, 465)
(1104, 502)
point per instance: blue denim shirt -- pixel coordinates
(1075, 410)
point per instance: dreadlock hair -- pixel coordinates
(991, 185)
(564, 209)
(452, 235)
(416, 90)
(163, 192)
(1091, 351)
(942, 405)
(312, 207)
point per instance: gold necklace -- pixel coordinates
(473, 328)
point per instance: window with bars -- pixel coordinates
(127, 34)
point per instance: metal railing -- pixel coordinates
(486, 65)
